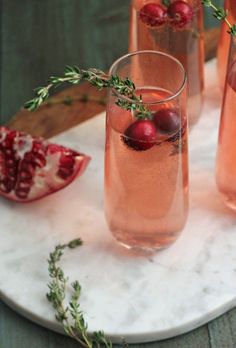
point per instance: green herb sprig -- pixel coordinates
(71, 316)
(166, 3)
(221, 14)
(100, 80)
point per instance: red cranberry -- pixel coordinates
(153, 14)
(176, 136)
(167, 120)
(180, 13)
(140, 135)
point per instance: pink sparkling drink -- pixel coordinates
(226, 154)
(146, 178)
(224, 41)
(176, 29)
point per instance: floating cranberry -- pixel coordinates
(167, 120)
(176, 136)
(140, 135)
(153, 14)
(180, 13)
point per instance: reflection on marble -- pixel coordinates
(141, 298)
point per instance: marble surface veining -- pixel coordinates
(141, 298)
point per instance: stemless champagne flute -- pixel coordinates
(224, 41)
(177, 29)
(226, 154)
(146, 160)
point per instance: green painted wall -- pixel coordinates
(39, 37)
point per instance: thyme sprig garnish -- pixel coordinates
(97, 78)
(70, 316)
(166, 3)
(221, 14)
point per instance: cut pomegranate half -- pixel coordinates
(32, 168)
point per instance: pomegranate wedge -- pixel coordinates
(32, 168)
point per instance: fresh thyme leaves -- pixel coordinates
(166, 3)
(70, 316)
(221, 14)
(98, 79)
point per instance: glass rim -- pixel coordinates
(176, 94)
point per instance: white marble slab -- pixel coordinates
(136, 297)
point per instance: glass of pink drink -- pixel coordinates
(224, 42)
(226, 154)
(146, 160)
(176, 29)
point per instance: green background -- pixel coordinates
(39, 37)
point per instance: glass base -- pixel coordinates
(145, 244)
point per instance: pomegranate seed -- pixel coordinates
(7, 185)
(153, 14)
(140, 135)
(167, 120)
(67, 161)
(25, 175)
(22, 193)
(180, 13)
(64, 173)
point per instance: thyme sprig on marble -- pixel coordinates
(221, 14)
(97, 78)
(70, 316)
